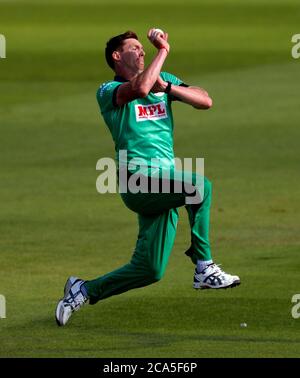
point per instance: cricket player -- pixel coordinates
(136, 107)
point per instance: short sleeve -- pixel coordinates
(166, 76)
(105, 95)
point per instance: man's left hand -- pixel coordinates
(159, 86)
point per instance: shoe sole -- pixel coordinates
(234, 284)
(57, 313)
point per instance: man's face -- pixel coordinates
(132, 55)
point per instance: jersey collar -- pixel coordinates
(120, 78)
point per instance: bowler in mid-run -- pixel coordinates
(136, 107)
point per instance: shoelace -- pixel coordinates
(216, 271)
(215, 268)
(75, 301)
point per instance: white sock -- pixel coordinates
(201, 265)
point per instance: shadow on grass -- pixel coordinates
(133, 323)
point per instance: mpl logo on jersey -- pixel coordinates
(150, 112)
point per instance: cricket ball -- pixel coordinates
(155, 33)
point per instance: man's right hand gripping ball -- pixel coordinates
(159, 40)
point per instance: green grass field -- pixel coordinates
(53, 223)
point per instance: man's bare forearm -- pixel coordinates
(145, 80)
(194, 96)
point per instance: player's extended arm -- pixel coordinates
(141, 85)
(195, 96)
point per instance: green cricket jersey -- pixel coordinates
(144, 126)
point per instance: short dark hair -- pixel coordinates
(114, 43)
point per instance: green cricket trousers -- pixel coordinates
(157, 218)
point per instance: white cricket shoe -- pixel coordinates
(72, 301)
(213, 277)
